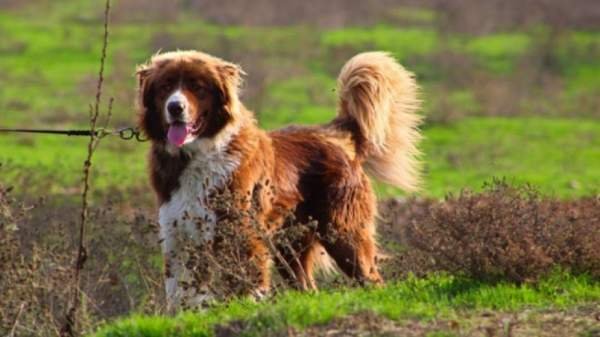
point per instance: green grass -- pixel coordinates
(53, 164)
(401, 42)
(414, 14)
(428, 298)
(559, 156)
(54, 61)
(299, 100)
(499, 52)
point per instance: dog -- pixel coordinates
(204, 139)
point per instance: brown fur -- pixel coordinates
(316, 172)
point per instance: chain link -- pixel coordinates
(129, 133)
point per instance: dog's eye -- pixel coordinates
(198, 89)
(165, 88)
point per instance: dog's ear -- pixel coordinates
(232, 73)
(142, 72)
(230, 81)
(149, 120)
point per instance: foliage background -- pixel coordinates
(510, 89)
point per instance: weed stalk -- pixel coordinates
(69, 327)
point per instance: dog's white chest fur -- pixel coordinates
(188, 219)
(187, 213)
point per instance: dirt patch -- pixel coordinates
(369, 324)
(579, 321)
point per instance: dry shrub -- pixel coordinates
(229, 265)
(224, 267)
(32, 279)
(505, 232)
(36, 245)
(123, 271)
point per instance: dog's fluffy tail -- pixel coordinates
(378, 104)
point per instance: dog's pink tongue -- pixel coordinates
(177, 134)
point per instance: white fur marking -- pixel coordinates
(187, 216)
(177, 96)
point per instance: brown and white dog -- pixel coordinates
(203, 138)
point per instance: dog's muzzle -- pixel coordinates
(176, 108)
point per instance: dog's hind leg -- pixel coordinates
(355, 253)
(348, 232)
(295, 264)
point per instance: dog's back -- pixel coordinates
(323, 167)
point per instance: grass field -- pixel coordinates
(435, 298)
(521, 104)
(560, 156)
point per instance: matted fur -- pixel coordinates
(315, 173)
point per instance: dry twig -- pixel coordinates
(68, 328)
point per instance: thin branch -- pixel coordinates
(14, 327)
(68, 329)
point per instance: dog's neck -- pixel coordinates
(203, 154)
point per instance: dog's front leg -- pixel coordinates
(252, 204)
(173, 268)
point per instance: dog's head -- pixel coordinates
(187, 95)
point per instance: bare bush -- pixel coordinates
(33, 278)
(503, 233)
(231, 264)
(506, 232)
(122, 272)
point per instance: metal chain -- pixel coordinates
(126, 133)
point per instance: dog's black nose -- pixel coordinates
(175, 108)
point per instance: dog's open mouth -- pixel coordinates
(179, 132)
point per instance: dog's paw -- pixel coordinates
(260, 294)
